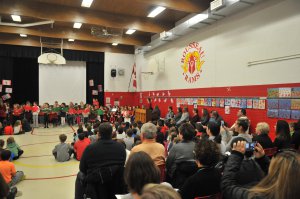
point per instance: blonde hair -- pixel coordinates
(159, 191)
(283, 179)
(17, 123)
(263, 127)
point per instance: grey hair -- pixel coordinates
(149, 131)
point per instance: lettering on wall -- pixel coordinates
(192, 61)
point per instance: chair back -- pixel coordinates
(270, 152)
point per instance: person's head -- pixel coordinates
(80, 130)
(185, 109)
(89, 128)
(241, 113)
(148, 131)
(179, 110)
(80, 125)
(214, 114)
(160, 123)
(205, 113)
(139, 171)
(129, 133)
(283, 130)
(159, 191)
(292, 126)
(105, 131)
(283, 178)
(170, 108)
(17, 123)
(10, 140)
(139, 124)
(187, 132)
(134, 125)
(81, 136)
(2, 142)
(213, 129)
(5, 155)
(120, 130)
(262, 128)
(62, 138)
(207, 153)
(242, 125)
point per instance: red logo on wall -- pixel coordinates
(192, 61)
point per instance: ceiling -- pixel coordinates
(118, 15)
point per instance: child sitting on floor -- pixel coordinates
(8, 130)
(8, 170)
(18, 128)
(13, 147)
(62, 151)
(80, 146)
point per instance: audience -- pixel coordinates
(129, 140)
(8, 130)
(295, 140)
(205, 117)
(178, 114)
(80, 146)
(213, 132)
(185, 117)
(206, 181)
(195, 118)
(281, 182)
(18, 128)
(283, 136)
(121, 134)
(94, 138)
(262, 135)
(8, 170)
(14, 148)
(170, 113)
(62, 151)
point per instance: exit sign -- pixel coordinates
(216, 4)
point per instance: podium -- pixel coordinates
(143, 115)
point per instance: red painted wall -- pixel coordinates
(254, 91)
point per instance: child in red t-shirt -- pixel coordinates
(8, 130)
(80, 146)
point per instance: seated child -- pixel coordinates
(80, 146)
(89, 131)
(14, 148)
(18, 128)
(8, 130)
(94, 138)
(62, 151)
(8, 170)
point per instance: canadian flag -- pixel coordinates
(133, 77)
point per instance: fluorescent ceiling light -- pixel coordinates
(16, 18)
(71, 39)
(23, 35)
(77, 25)
(156, 11)
(86, 3)
(114, 44)
(197, 18)
(130, 31)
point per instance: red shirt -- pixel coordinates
(80, 146)
(72, 111)
(35, 109)
(164, 130)
(8, 130)
(86, 110)
(17, 112)
(27, 108)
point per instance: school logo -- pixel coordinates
(192, 61)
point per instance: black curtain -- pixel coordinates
(25, 80)
(19, 64)
(95, 72)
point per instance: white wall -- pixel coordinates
(117, 61)
(62, 83)
(267, 30)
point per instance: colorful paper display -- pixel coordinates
(222, 102)
(249, 103)
(243, 103)
(272, 113)
(295, 115)
(273, 93)
(285, 92)
(262, 104)
(6, 82)
(295, 104)
(255, 104)
(296, 92)
(284, 114)
(285, 104)
(273, 104)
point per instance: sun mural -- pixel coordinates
(192, 62)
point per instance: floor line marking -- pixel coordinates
(51, 178)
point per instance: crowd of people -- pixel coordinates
(176, 156)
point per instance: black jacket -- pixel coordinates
(296, 139)
(205, 182)
(264, 140)
(230, 187)
(280, 143)
(194, 120)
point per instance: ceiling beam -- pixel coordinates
(85, 16)
(190, 6)
(12, 39)
(83, 35)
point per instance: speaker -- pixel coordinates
(113, 72)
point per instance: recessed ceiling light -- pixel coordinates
(114, 44)
(16, 18)
(86, 3)
(156, 11)
(130, 31)
(77, 25)
(23, 35)
(71, 39)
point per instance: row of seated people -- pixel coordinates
(182, 171)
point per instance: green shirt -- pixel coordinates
(100, 112)
(46, 110)
(64, 109)
(56, 109)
